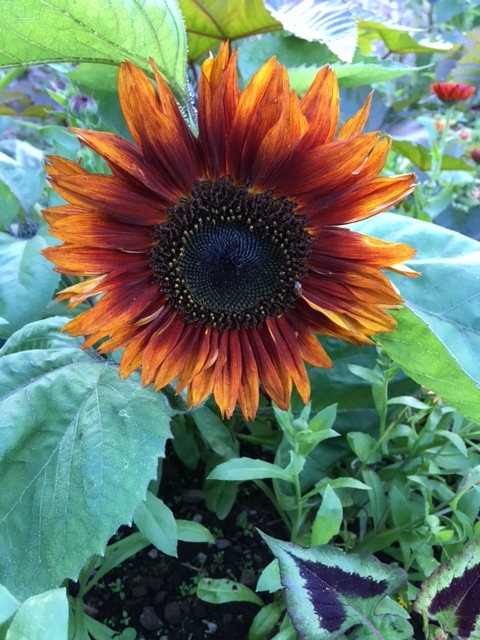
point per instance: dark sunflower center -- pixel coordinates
(230, 258)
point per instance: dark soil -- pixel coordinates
(156, 594)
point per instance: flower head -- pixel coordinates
(475, 155)
(451, 92)
(219, 257)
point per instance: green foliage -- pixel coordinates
(75, 440)
(35, 33)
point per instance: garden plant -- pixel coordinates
(239, 320)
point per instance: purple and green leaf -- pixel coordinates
(451, 595)
(328, 592)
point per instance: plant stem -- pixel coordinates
(10, 76)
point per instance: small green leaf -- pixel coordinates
(241, 469)
(8, 604)
(156, 522)
(21, 170)
(328, 592)
(265, 620)
(364, 446)
(220, 497)
(27, 282)
(43, 617)
(190, 531)
(269, 579)
(328, 520)
(215, 433)
(223, 590)
(35, 32)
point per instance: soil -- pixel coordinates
(156, 594)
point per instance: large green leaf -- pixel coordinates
(34, 32)
(328, 592)
(397, 40)
(351, 75)
(210, 22)
(326, 21)
(27, 282)
(43, 617)
(421, 157)
(467, 69)
(78, 446)
(437, 341)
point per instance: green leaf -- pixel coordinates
(215, 433)
(329, 517)
(421, 157)
(350, 75)
(437, 339)
(190, 531)
(21, 170)
(269, 579)
(241, 469)
(220, 497)
(78, 446)
(467, 69)
(450, 595)
(328, 592)
(35, 32)
(43, 617)
(44, 334)
(210, 22)
(398, 40)
(364, 447)
(156, 522)
(265, 620)
(223, 590)
(8, 604)
(27, 282)
(321, 20)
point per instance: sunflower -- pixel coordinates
(218, 257)
(451, 92)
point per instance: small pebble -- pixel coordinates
(223, 544)
(149, 620)
(172, 613)
(139, 591)
(193, 496)
(159, 598)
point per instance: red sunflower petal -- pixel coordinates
(227, 386)
(98, 230)
(354, 126)
(320, 105)
(126, 162)
(75, 260)
(368, 200)
(158, 128)
(259, 109)
(108, 194)
(218, 93)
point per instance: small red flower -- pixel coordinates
(451, 92)
(475, 155)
